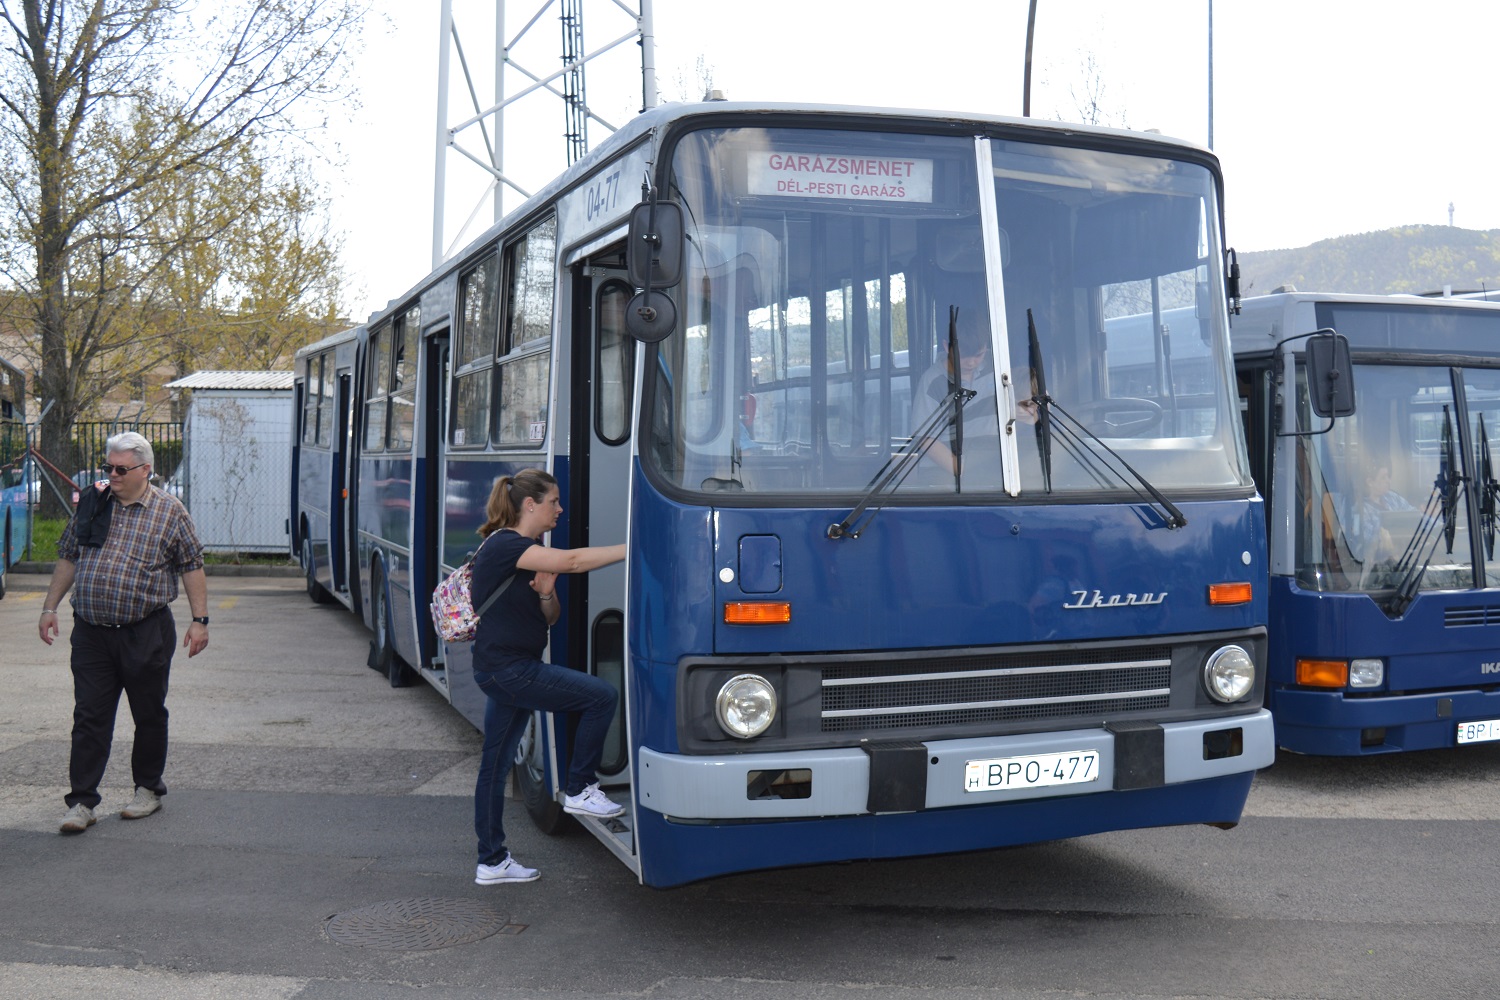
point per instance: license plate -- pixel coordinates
(1485, 731)
(1036, 771)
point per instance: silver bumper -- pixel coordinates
(715, 787)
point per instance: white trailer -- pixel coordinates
(236, 469)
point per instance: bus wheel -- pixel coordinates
(531, 779)
(383, 654)
(315, 590)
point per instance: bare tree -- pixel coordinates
(1088, 97)
(697, 88)
(102, 102)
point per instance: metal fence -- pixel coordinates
(89, 444)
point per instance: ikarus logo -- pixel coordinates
(1489, 668)
(1089, 599)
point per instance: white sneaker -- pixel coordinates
(509, 870)
(144, 804)
(78, 819)
(592, 802)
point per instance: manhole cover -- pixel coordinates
(415, 924)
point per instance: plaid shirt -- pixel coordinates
(151, 543)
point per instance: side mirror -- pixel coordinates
(650, 317)
(1330, 375)
(1232, 280)
(654, 254)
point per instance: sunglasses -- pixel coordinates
(112, 470)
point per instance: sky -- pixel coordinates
(1328, 118)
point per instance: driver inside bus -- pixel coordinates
(979, 464)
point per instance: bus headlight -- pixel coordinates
(1367, 673)
(1229, 674)
(746, 705)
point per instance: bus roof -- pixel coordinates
(643, 126)
(1267, 320)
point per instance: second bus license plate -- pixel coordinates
(1036, 771)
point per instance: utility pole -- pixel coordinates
(481, 139)
(1026, 84)
(1210, 74)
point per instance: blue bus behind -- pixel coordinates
(1385, 631)
(17, 491)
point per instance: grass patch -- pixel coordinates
(44, 535)
(248, 559)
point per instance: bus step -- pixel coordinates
(615, 826)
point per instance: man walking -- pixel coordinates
(125, 548)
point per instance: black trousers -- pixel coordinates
(135, 659)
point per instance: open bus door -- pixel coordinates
(594, 475)
(341, 513)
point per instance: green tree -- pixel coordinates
(102, 102)
(268, 282)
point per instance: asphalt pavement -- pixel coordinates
(316, 842)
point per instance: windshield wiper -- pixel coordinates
(1484, 467)
(890, 477)
(1443, 500)
(1080, 442)
(955, 388)
(1043, 412)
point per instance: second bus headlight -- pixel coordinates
(746, 705)
(1229, 674)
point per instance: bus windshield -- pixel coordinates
(830, 274)
(1383, 496)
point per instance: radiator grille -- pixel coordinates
(1477, 615)
(960, 690)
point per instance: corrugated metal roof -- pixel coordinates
(234, 380)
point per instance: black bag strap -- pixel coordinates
(498, 591)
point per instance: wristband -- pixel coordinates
(547, 597)
(49, 611)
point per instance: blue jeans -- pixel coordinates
(515, 689)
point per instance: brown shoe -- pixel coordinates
(144, 804)
(78, 819)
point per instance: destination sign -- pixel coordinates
(834, 175)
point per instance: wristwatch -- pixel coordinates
(202, 621)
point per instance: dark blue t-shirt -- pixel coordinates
(514, 627)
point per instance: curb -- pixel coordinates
(212, 569)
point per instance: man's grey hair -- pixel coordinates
(132, 442)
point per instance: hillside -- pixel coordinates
(1406, 259)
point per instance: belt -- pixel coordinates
(148, 616)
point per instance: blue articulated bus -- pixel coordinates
(920, 432)
(1385, 618)
(322, 486)
(17, 494)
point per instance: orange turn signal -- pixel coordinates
(757, 613)
(1229, 593)
(1323, 673)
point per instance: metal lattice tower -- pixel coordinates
(481, 139)
(574, 101)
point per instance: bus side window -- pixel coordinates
(314, 395)
(474, 355)
(520, 410)
(377, 385)
(402, 403)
